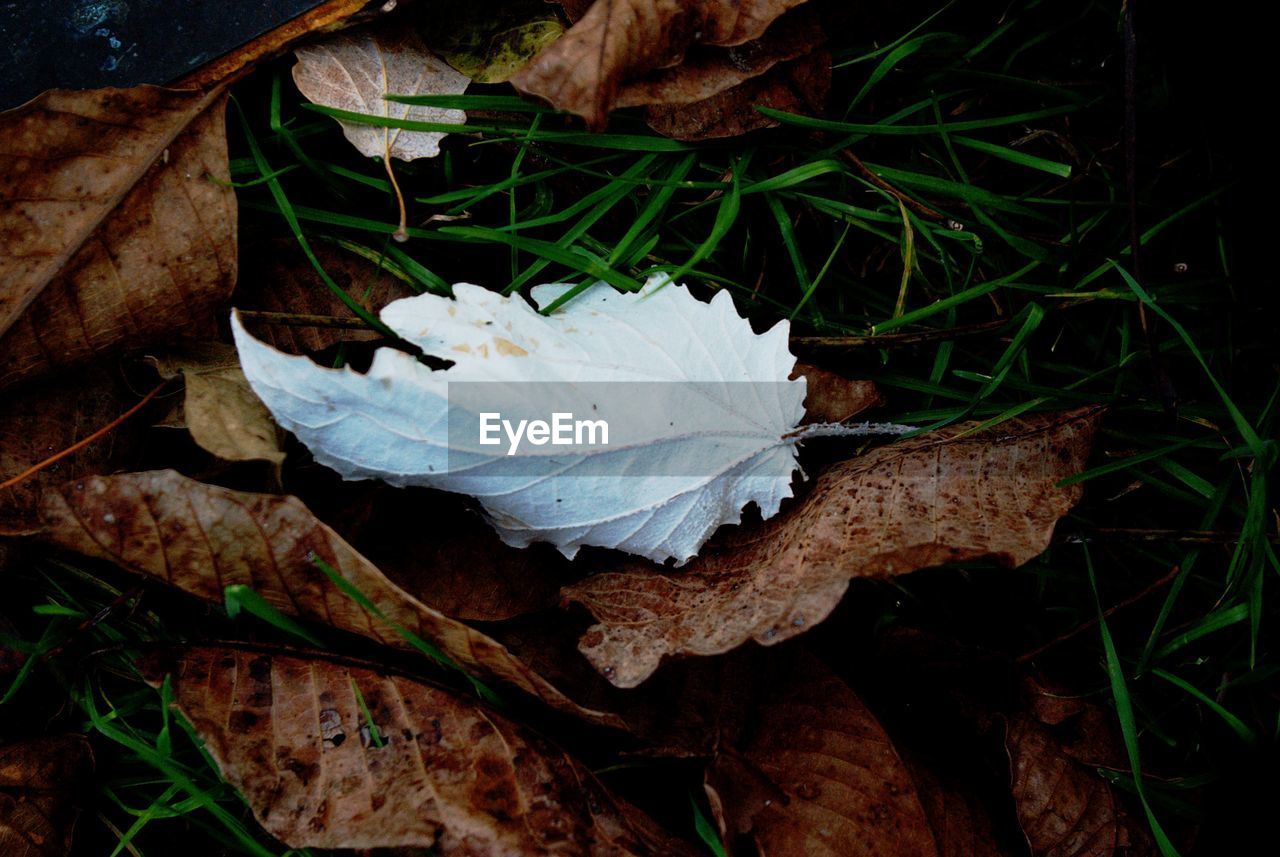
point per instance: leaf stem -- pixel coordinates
(82, 443)
(867, 429)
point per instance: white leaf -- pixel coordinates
(690, 444)
(354, 70)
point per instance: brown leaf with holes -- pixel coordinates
(37, 422)
(202, 538)
(946, 496)
(219, 408)
(37, 808)
(813, 773)
(277, 277)
(112, 233)
(616, 41)
(289, 733)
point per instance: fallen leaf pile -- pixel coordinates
(489, 645)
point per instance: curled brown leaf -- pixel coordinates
(423, 768)
(951, 495)
(707, 71)
(617, 40)
(799, 86)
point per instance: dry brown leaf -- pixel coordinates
(112, 235)
(831, 397)
(707, 71)
(946, 496)
(799, 86)
(220, 409)
(1064, 808)
(202, 538)
(39, 421)
(288, 733)
(277, 277)
(815, 774)
(37, 813)
(618, 40)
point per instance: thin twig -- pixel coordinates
(81, 444)
(1080, 629)
(1194, 537)
(292, 319)
(918, 207)
(890, 340)
(119, 601)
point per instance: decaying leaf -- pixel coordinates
(37, 781)
(813, 773)
(37, 422)
(618, 40)
(799, 86)
(946, 496)
(276, 277)
(202, 538)
(290, 734)
(489, 40)
(112, 234)
(707, 71)
(219, 408)
(1065, 809)
(695, 433)
(354, 70)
